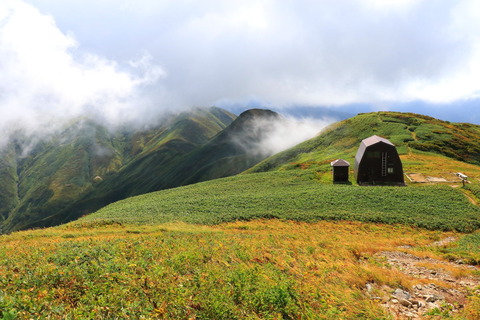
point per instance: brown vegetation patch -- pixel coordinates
(439, 288)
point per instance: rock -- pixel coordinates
(394, 301)
(418, 287)
(433, 298)
(405, 303)
(415, 302)
(369, 287)
(401, 294)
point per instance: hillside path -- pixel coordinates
(440, 287)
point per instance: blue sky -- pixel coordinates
(126, 61)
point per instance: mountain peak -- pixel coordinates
(258, 113)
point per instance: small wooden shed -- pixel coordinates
(340, 169)
(377, 162)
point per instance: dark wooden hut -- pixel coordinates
(377, 162)
(340, 170)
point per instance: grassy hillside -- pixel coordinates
(299, 184)
(264, 269)
(8, 182)
(288, 195)
(414, 135)
(86, 166)
(227, 153)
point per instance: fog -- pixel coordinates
(44, 83)
(268, 136)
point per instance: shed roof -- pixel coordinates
(340, 163)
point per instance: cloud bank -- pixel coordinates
(290, 52)
(282, 133)
(44, 82)
(128, 61)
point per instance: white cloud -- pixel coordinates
(289, 132)
(44, 80)
(461, 82)
(323, 52)
(72, 57)
(267, 136)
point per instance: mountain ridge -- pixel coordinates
(86, 154)
(87, 167)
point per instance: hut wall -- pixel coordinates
(340, 174)
(380, 163)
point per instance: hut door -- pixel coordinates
(384, 164)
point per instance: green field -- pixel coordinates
(295, 195)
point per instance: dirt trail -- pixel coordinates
(442, 287)
(470, 197)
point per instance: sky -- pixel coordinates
(130, 61)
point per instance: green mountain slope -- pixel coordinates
(413, 134)
(177, 162)
(56, 171)
(293, 196)
(44, 186)
(298, 184)
(229, 152)
(88, 167)
(8, 182)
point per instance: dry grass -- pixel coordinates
(320, 269)
(437, 165)
(455, 271)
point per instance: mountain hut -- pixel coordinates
(377, 162)
(340, 170)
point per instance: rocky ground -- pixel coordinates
(442, 287)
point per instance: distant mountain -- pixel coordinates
(232, 151)
(337, 113)
(39, 187)
(317, 112)
(87, 167)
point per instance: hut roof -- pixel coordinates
(340, 163)
(375, 139)
(367, 143)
